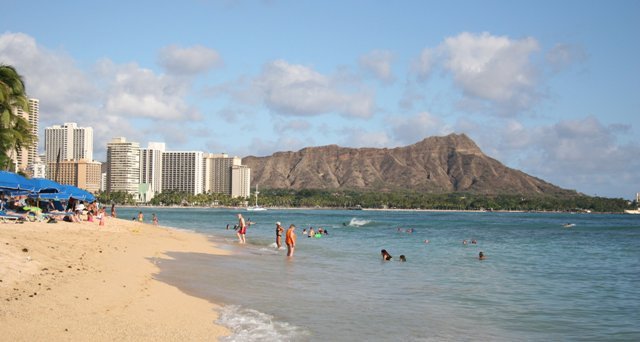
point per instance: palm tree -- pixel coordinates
(15, 131)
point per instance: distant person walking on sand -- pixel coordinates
(290, 240)
(113, 210)
(279, 231)
(242, 229)
(154, 218)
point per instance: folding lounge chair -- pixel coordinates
(10, 218)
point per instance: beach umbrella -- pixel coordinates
(43, 185)
(77, 193)
(13, 181)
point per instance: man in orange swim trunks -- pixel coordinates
(290, 240)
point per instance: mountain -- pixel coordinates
(452, 163)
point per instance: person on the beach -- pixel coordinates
(385, 255)
(279, 231)
(140, 217)
(101, 216)
(290, 240)
(403, 258)
(154, 219)
(481, 256)
(113, 210)
(242, 229)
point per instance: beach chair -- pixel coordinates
(5, 217)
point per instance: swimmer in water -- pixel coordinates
(481, 256)
(403, 258)
(426, 241)
(385, 255)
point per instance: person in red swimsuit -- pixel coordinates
(242, 229)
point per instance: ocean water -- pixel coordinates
(540, 281)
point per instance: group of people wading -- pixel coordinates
(290, 235)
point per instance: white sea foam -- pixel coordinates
(356, 222)
(251, 325)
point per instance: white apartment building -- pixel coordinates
(68, 140)
(26, 158)
(151, 166)
(240, 181)
(218, 172)
(123, 166)
(183, 171)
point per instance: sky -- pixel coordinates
(551, 88)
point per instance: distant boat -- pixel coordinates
(256, 207)
(634, 211)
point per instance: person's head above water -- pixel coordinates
(403, 258)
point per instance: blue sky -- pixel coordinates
(548, 87)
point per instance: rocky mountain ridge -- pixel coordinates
(453, 163)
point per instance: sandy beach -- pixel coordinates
(81, 282)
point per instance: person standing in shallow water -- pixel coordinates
(279, 231)
(290, 240)
(242, 229)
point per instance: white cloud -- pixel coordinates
(299, 90)
(50, 76)
(139, 92)
(188, 61)
(574, 154)
(295, 126)
(424, 64)
(492, 68)
(378, 63)
(561, 56)
(493, 73)
(409, 130)
(109, 97)
(358, 137)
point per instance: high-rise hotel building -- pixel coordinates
(151, 166)
(240, 181)
(217, 172)
(182, 171)
(68, 141)
(123, 166)
(25, 158)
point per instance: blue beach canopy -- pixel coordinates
(43, 185)
(77, 193)
(13, 181)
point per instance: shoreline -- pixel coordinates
(243, 209)
(78, 282)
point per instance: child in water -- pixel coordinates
(385, 255)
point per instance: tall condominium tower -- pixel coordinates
(68, 140)
(217, 172)
(26, 157)
(151, 166)
(183, 172)
(123, 166)
(241, 181)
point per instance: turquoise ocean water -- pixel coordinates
(539, 282)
